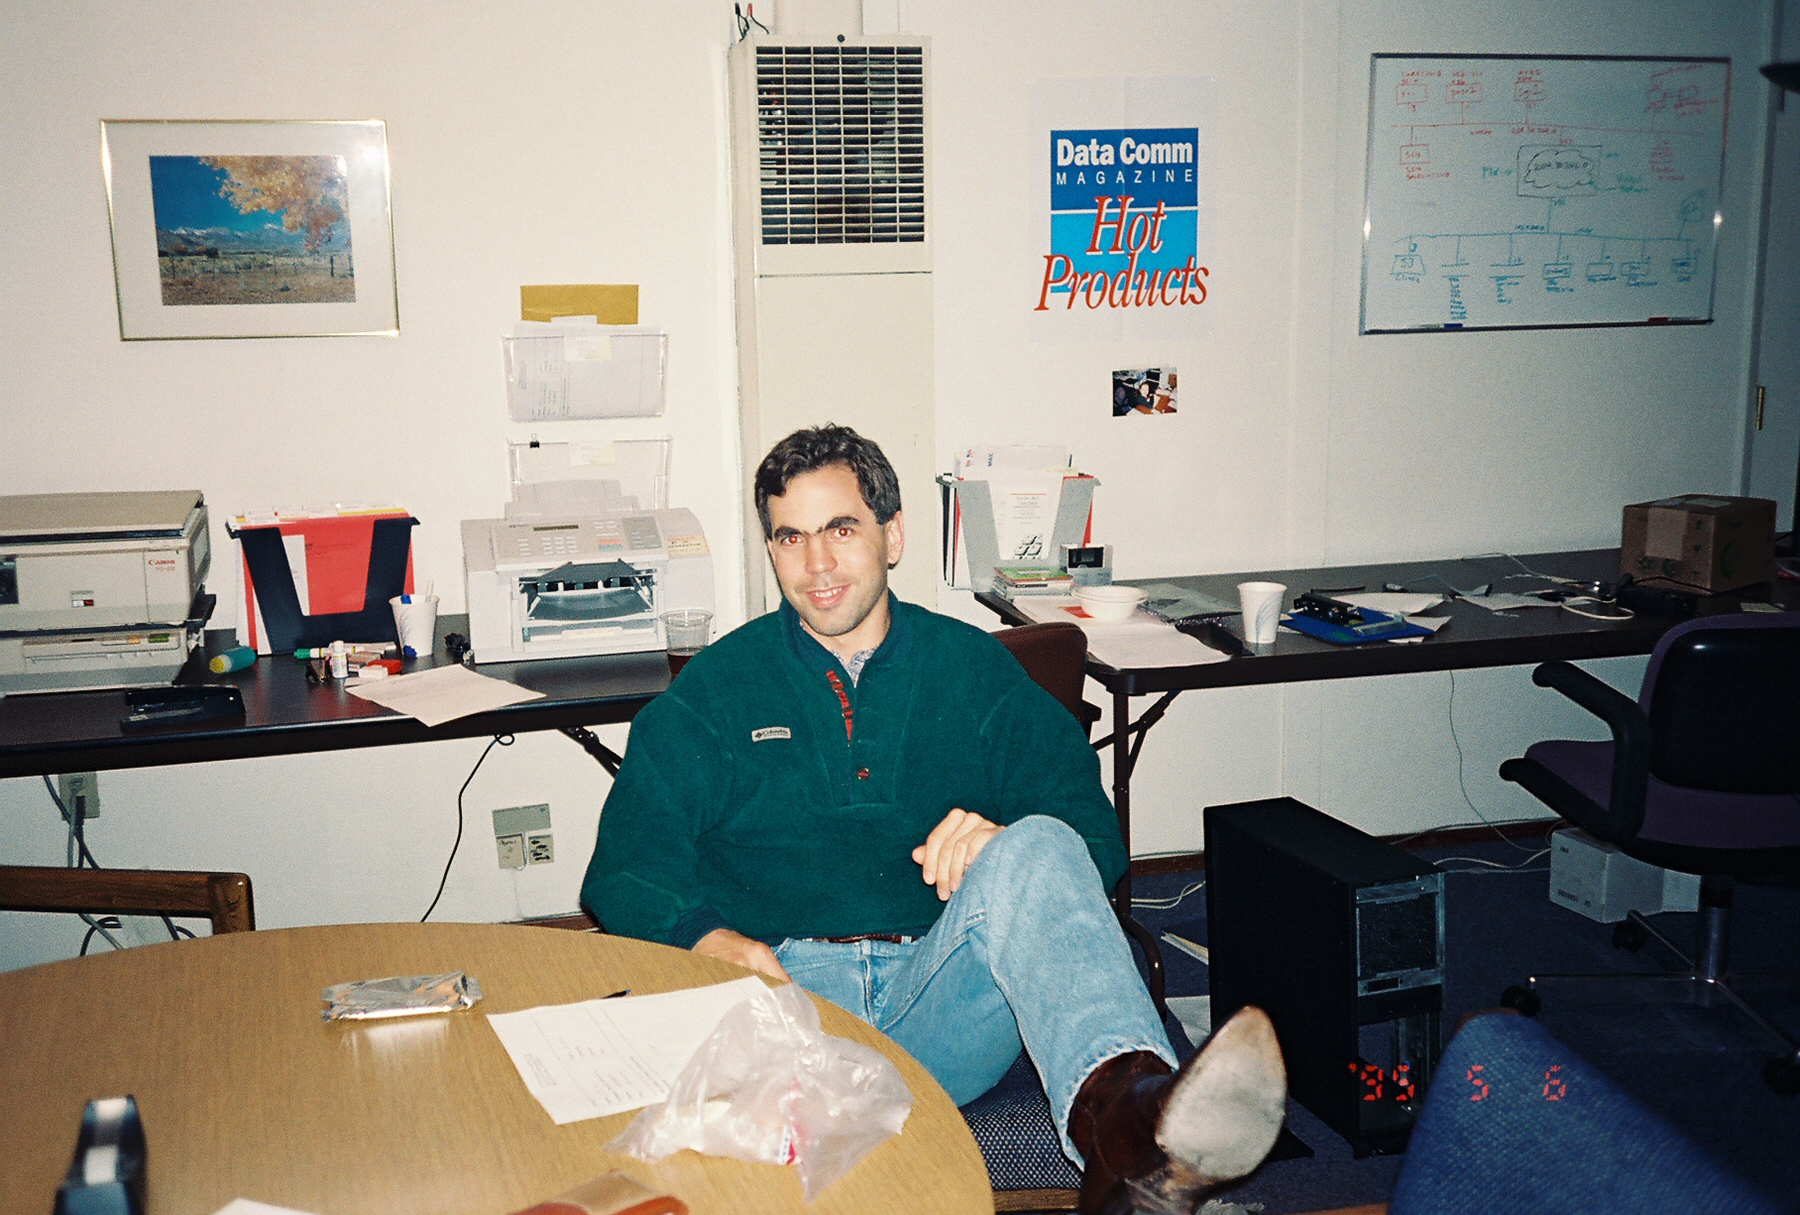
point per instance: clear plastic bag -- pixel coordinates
(770, 1086)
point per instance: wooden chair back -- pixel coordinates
(223, 898)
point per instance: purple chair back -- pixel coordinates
(1723, 697)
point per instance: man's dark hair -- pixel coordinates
(819, 447)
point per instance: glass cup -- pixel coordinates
(687, 631)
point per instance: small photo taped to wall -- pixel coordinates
(1149, 390)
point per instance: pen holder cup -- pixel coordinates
(415, 618)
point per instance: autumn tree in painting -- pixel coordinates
(306, 191)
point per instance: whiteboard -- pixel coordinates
(1535, 191)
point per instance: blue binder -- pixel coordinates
(1376, 626)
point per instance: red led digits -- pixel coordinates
(1403, 1085)
(1555, 1087)
(1378, 1084)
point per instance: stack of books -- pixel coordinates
(1015, 580)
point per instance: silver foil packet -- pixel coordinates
(401, 996)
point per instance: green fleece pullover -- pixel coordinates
(754, 797)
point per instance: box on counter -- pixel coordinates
(1703, 541)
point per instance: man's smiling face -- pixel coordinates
(832, 558)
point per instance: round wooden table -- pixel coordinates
(245, 1092)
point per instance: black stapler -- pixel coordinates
(1324, 607)
(178, 705)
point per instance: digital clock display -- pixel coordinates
(1555, 1086)
(1379, 1084)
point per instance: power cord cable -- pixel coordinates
(1492, 867)
(500, 740)
(99, 926)
(745, 21)
(1170, 902)
(75, 852)
(1450, 712)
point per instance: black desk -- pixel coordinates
(79, 731)
(1475, 637)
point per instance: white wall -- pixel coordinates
(1300, 442)
(539, 142)
(530, 143)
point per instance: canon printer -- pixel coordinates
(102, 589)
(588, 557)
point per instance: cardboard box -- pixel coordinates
(1700, 541)
(1596, 880)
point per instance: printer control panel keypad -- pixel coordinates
(641, 534)
(554, 540)
(591, 537)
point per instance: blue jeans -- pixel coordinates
(1027, 952)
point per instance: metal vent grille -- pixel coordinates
(841, 144)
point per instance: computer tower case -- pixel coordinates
(1339, 937)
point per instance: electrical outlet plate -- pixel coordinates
(512, 851)
(522, 820)
(540, 849)
(80, 789)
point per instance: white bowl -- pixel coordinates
(1109, 602)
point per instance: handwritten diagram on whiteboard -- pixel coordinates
(1541, 191)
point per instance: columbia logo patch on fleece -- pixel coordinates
(768, 732)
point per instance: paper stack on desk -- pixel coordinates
(607, 1056)
(1397, 603)
(442, 694)
(1132, 644)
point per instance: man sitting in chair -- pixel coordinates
(877, 802)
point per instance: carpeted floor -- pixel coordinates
(1699, 1068)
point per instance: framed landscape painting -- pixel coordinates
(250, 229)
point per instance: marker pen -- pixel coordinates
(231, 660)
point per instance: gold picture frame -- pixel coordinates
(227, 229)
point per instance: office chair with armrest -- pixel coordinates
(223, 898)
(1011, 1122)
(1702, 776)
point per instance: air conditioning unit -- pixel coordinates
(833, 245)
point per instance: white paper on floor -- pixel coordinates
(1195, 1015)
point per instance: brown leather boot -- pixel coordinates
(1156, 1142)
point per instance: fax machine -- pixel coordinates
(558, 587)
(100, 590)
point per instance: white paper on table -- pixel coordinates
(1503, 601)
(442, 694)
(244, 1206)
(1393, 603)
(600, 1057)
(1140, 640)
(1045, 608)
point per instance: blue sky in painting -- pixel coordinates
(185, 194)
